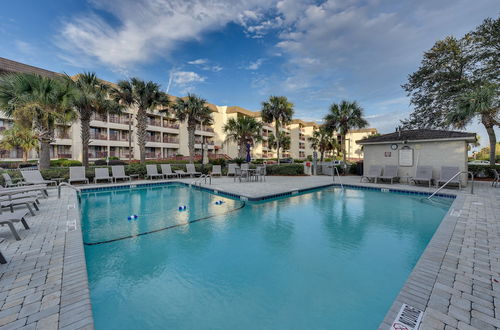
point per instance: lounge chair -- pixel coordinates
(447, 172)
(390, 173)
(373, 173)
(118, 172)
(9, 218)
(27, 201)
(77, 174)
(9, 182)
(166, 171)
(216, 170)
(231, 169)
(2, 258)
(423, 174)
(102, 173)
(35, 177)
(191, 170)
(152, 172)
(181, 173)
(26, 189)
(496, 178)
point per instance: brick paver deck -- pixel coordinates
(456, 281)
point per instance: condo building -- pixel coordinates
(114, 135)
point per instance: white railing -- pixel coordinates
(451, 179)
(65, 184)
(204, 177)
(336, 170)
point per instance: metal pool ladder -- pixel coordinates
(453, 177)
(336, 170)
(65, 184)
(197, 182)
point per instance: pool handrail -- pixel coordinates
(451, 179)
(66, 185)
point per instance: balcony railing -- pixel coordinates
(155, 122)
(153, 155)
(170, 125)
(204, 128)
(98, 154)
(118, 137)
(99, 118)
(153, 138)
(62, 136)
(119, 120)
(98, 136)
(170, 140)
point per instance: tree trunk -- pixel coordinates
(322, 154)
(277, 132)
(343, 149)
(25, 155)
(44, 153)
(242, 153)
(191, 129)
(85, 135)
(493, 141)
(142, 123)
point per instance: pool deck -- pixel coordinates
(456, 281)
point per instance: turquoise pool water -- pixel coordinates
(328, 259)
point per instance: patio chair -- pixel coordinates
(496, 178)
(166, 171)
(27, 201)
(260, 173)
(152, 172)
(231, 169)
(118, 172)
(216, 170)
(9, 218)
(240, 174)
(373, 173)
(390, 173)
(447, 172)
(245, 167)
(181, 173)
(102, 173)
(9, 182)
(77, 174)
(2, 258)
(191, 170)
(35, 177)
(423, 174)
(27, 189)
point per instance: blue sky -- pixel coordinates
(239, 52)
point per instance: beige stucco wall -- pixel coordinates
(435, 154)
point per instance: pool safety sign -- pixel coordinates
(408, 318)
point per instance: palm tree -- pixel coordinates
(283, 141)
(278, 110)
(322, 140)
(194, 111)
(38, 103)
(243, 130)
(90, 97)
(19, 137)
(146, 96)
(343, 117)
(481, 102)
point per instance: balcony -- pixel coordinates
(118, 119)
(153, 155)
(62, 136)
(170, 140)
(59, 156)
(99, 117)
(118, 137)
(153, 138)
(98, 136)
(204, 128)
(167, 124)
(98, 154)
(154, 122)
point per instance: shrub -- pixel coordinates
(289, 169)
(483, 171)
(218, 161)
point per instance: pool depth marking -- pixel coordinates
(168, 227)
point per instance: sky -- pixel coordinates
(239, 52)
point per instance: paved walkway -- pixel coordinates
(456, 281)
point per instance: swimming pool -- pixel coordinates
(327, 259)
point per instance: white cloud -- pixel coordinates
(255, 65)
(186, 77)
(145, 29)
(198, 61)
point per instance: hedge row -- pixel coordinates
(483, 171)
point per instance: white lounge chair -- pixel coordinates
(390, 173)
(373, 173)
(496, 178)
(26, 189)
(423, 174)
(26, 201)
(447, 172)
(118, 172)
(102, 173)
(9, 218)
(216, 170)
(35, 177)
(152, 171)
(9, 182)
(231, 169)
(77, 174)
(166, 170)
(191, 170)
(181, 173)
